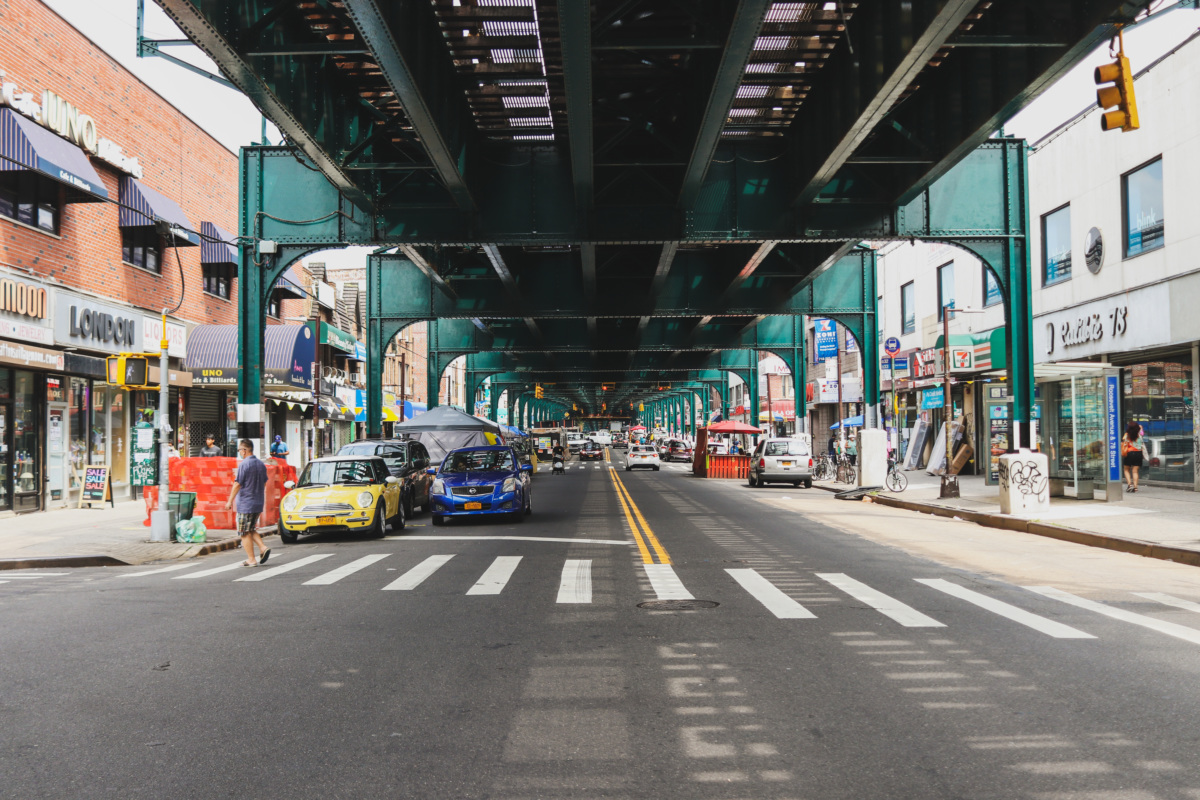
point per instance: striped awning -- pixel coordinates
(217, 246)
(290, 284)
(25, 145)
(288, 354)
(142, 206)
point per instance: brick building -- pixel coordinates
(113, 207)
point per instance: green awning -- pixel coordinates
(987, 347)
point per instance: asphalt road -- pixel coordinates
(496, 660)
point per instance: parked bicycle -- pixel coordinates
(896, 481)
(845, 469)
(822, 468)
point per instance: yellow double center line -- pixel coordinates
(644, 534)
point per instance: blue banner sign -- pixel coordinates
(932, 399)
(1114, 445)
(825, 336)
(900, 363)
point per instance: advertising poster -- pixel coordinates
(825, 337)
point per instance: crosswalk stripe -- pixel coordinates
(906, 615)
(666, 583)
(171, 568)
(413, 578)
(333, 576)
(32, 577)
(271, 572)
(1170, 628)
(494, 579)
(1041, 624)
(575, 585)
(769, 595)
(206, 572)
(1167, 599)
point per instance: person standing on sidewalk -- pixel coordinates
(1133, 454)
(210, 449)
(279, 449)
(249, 488)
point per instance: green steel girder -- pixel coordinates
(575, 28)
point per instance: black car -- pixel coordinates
(591, 450)
(406, 460)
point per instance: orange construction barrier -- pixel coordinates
(212, 480)
(725, 466)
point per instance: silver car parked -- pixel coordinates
(781, 461)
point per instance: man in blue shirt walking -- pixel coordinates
(249, 488)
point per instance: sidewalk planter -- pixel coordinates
(211, 479)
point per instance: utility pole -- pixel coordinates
(160, 520)
(841, 469)
(402, 384)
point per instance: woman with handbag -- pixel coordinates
(1133, 454)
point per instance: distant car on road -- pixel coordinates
(781, 461)
(601, 437)
(620, 441)
(642, 455)
(677, 450)
(591, 451)
(575, 441)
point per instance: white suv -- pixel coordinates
(642, 455)
(781, 461)
(602, 438)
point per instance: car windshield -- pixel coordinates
(392, 455)
(786, 448)
(477, 461)
(327, 473)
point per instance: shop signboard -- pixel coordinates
(933, 398)
(97, 486)
(337, 338)
(25, 311)
(20, 355)
(143, 456)
(360, 351)
(825, 337)
(90, 324)
(152, 337)
(1129, 321)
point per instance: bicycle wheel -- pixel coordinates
(850, 475)
(896, 481)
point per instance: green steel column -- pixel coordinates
(869, 346)
(752, 385)
(1019, 308)
(433, 377)
(800, 374)
(494, 409)
(373, 405)
(724, 392)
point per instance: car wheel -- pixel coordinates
(407, 506)
(808, 484)
(398, 520)
(656, 467)
(528, 503)
(379, 525)
(438, 520)
(750, 480)
(628, 468)
(796, 484)
(287, 536)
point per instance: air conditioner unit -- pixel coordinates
(358, 377)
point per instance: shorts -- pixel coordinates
(247, 523)
(1133, 459)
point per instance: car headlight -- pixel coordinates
(291, 502)
(510, 485)
(365, 499)
(438, 487)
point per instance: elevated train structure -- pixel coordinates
(634, 194)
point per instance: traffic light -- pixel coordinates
(537, 391)
(1119, 95)
(128, 370)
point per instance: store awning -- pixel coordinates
(334, 411)
(217, 246)
(288, 354)
(290, 284)
(849, 422)
(986, 350)
(25, 145)
(142, 207)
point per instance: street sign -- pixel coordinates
(891, 346)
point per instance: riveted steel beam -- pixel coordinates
(428, 92)
(575, 28)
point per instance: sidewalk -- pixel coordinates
(93, 537)
(1155, 522)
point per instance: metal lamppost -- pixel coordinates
(949, 486)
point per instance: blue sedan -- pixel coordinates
(480, 481)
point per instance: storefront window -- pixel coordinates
(1158, 396)
(945, 276)
(1143, 193)
(25, 443)
(28, 198)
(1056, 246)
(79, 431)
(991, 288)
(5, 437)
(908, 307)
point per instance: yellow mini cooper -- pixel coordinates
(341, 493)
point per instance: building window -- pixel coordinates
(1142, 195)
(945, 275)
(273, 307)
(991, 288)
(142, 247)
(908, 309)
(26, 198)
(1056, 246)
(216, 281)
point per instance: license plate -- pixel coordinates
(1174, 463)
(472, 506)
(326, 520)
(786, 463)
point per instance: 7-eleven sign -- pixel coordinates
(962, 359)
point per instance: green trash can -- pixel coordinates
(182, 503)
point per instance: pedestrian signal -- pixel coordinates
(1119, 95)
(133, 371)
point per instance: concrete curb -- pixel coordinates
(224, 544)
(1135, 547)
(40, 562)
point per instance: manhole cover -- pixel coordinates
(677, 605)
